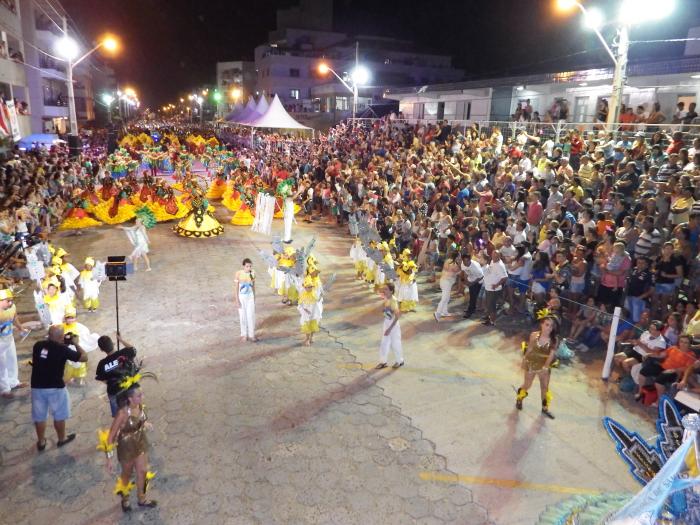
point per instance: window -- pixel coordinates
(54, 94)
(294, 72)
(341, 103)
(294, 93)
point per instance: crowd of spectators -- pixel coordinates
(579, 223)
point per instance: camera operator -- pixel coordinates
(108, 367)
(49, 393)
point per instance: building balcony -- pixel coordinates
(12, 72)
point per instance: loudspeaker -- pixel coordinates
(115, 268)
(75, 146)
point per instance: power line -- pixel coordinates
(38, 4)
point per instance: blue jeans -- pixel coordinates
(636, 306)
(113, 405)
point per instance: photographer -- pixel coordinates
(109, 369)
(49, 392)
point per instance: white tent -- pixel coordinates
(237, 108)
(249, 108)
(260, 109)
(276, 117)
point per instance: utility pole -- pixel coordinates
(354, 81)
(73, 140)
(620, 75)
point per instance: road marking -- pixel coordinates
(503, 483)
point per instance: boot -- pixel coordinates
(545, 405)
(522, 394)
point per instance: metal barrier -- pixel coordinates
(545, 130)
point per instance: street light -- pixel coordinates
(67, 48)
(236, 93)
(631, 12)
(360, 75)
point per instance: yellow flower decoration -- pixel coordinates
(544, 312)
(102, 441)
(129, 381)
(523, 347)
(120, 489)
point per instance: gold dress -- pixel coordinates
(536, 359)
(132, 440)
(199, 223)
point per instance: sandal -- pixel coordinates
(380, 366)
(69, 438)
(547, 413)
(149, 503)
(126, 506)
(41, 445)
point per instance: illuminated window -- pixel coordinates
(294, 93)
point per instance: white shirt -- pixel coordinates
(493, 274)
(645, 338)
(474, 272)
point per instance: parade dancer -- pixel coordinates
(448, 278)
(244, 295)
(88, 341)
(139, 238)
(128, 436)
(310, 310)
(407, 290)
(391, 338)
(538, 358)
(9, 375)
(285, 190)
(89, 286)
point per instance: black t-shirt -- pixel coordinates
(667, 267)
(107, 368)
(48, 362)
(639, 282)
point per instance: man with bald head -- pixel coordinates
(49, 392)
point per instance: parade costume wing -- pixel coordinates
(277, 245)
(300, 265)
(643, 459)
(669, 427)
(389, 271)
(268, 258)
(309, 247)
(131, 235)
(328, 284)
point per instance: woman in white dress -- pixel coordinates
(139, 238)
(448, 277)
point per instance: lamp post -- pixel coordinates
(631, 12)
(360, 75)
(67, 48)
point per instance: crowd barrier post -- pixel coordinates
(607, 365)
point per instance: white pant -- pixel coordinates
(246, 314)
(391, 342)
(446, 289)
(288, 219)
(8, 364)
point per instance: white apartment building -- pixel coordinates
(238, 74)
(35, 80)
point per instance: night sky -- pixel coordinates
(172, 46)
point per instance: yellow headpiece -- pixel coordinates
(308, 282)
(90, 261)
(288, 250)
(53, 281)
(52, 250)
(383, 246)
(61, 252)
(56, 260)
(69, 312)
(55, 269)
(6, 294)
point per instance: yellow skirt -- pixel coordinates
(207, 227)
(292, 294)
(243, 217)
(72, 372)
(407, 306)
(216, 190)
(310, 327)
(74, 223)
(369, 275)
(125, 213)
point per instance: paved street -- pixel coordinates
(277, 433)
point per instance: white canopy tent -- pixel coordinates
(237, 108)
(249, 107)
(277, 117)
(260, 110)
